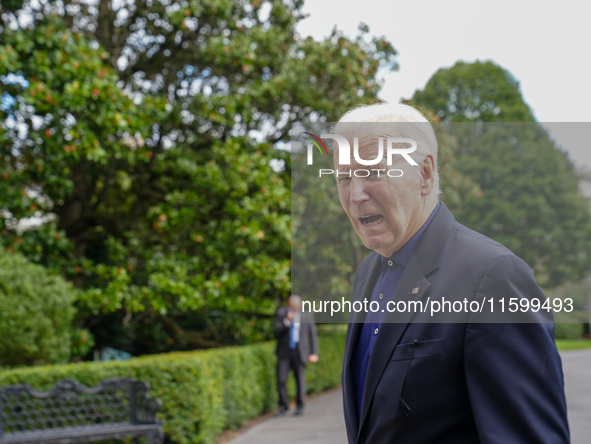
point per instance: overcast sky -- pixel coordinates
(545, 45)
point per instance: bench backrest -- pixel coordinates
(70, 404)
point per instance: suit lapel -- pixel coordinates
(355, 326)
(424, 260)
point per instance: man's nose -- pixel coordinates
(358, 190)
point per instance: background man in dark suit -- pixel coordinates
(297, 343)
(407, 379)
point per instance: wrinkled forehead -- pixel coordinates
(368, 134)
(372, 131)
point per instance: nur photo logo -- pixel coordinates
(386, 146)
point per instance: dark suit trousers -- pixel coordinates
(284, 364)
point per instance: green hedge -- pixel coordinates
(573, 330)
(202, 392)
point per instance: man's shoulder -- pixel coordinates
(478, 240)
(307, 318)
(281, 312)
(475, 250)
(461, 239)
(464, 250)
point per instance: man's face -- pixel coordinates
(385, 211)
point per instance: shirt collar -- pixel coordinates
(402, 256)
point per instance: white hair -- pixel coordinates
(295, 299)
(423, 133)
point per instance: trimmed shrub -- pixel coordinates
(203, 392)
(35, 315)
(569, 330)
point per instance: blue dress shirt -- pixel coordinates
(383, 291)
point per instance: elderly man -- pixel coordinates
(297, 344)
(416, 382)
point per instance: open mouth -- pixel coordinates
(371, 220)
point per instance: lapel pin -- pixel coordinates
(415, 290)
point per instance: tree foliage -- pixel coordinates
(141, 143)
(529, 198)
(469, 92)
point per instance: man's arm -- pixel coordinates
(513, 370)
(280, 327)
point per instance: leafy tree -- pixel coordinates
(37, 312)
(470, 92)
(144, 144)
(529, 198)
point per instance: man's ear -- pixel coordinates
(427, 174)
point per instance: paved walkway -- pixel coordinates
(577, 375)
(323, 422)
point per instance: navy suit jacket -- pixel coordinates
(468, 382)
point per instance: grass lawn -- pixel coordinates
(572, 344)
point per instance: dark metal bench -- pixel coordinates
(116, 408)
